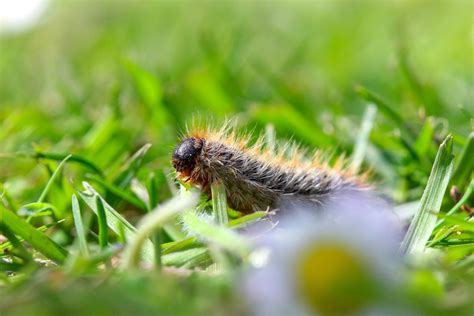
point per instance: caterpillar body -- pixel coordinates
(256, 179)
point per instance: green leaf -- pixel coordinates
(20, 250)
(362, 141)
(52, 178)
(183, 244)
(219, 235)
(102, 223)
(219, 203)
(154, 221)
(424, 221)
(119, 192)
(458, 221)
(246, 219)
(73, 158)
(425, 137)
(37, 209)
(131, 168)
(382, 105)
(458, 205)
(465, 165)
(115, 221)
(152, 191)
(81, 233)
(188, 258)
(36, 239)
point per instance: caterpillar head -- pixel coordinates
(186, 155)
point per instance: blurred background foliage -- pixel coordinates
(101, 79)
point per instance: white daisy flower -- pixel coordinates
(338, 260)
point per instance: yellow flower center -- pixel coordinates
(333, 280)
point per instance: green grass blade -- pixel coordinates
(81, 233)
(119, 192)
(218, 235)
(4, 266)
(20, 250)
(52, 178)
(424, 221)
(37, 209)
(155, 220)
(424, 140)
(183, 244)
(5, 196)
(246, 219)
(115, 221)
(458, 205)
(73, 158)
(188, 258)
(382, 105)
(219, 203)
(152, 191)
(461, 222)
(465, 166)
(36, 239)
(157, 242)
(362, 142)
(102, 220)
(131, 167)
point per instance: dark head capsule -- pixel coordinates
(186, 155)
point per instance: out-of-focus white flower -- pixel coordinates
(338, 260)
(18, 15)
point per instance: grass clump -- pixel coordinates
(91, 218)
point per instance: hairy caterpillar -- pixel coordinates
(253, 177)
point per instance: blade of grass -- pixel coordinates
(6, 196)
(36, 239)
(17, 245)
(247, 219)
(81, 234)
(153, 221)
(174, 246)
(152, 191)
(52, 178)
(192, 242)
(43, 228)
(59, 157)
(270, 138)
(219, 203)
(362, 142)
(6, 266)
(117, 191)
(458, 205)
(102, 221)
(465, 166)
(382, 105)
(424, 221)
(424, 140)
(131, 167)
(157, 241)
(218, 235)
(186, 258)
(115, 221)
(461, 222)
(36, 209)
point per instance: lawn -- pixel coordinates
(94, 98)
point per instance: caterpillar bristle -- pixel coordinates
(256, 176)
